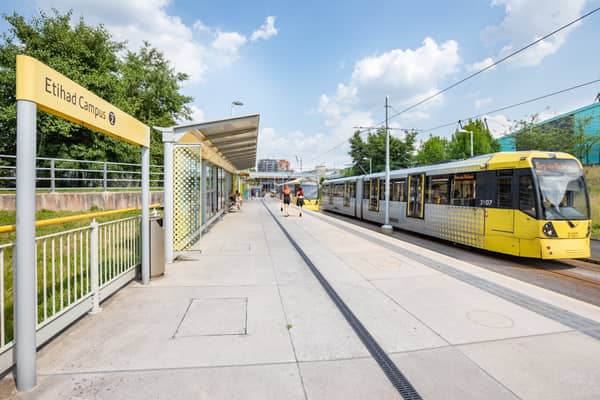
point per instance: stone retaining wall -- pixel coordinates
(82, 201)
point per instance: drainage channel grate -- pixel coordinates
(398, 380)
(565, 317)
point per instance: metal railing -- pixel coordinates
(67, 174)
(75, 270)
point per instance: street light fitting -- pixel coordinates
(237, 103)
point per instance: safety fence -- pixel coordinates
(75, 270)
(66, 174)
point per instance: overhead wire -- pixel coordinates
(492, 65)
(521, 103)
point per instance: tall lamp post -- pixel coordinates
(471, 135)
(386, 227)
(370, 164)
(235, 103)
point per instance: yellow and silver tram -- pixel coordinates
(529, 204)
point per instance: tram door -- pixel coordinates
(502, 217)
(416, 194)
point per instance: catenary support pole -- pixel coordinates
(25, 274)
(168, 201)
(145, 215)
(387, 228)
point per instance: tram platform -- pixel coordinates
(245, 318)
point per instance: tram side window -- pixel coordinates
(352, 190)
(463, 190)
(398, 191)
(437, 191)
(374, 195)
(366, 190)
(346, 194)
(526, 195)
(503, 187)
(415, 195)
(339, 190)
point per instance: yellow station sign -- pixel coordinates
(58, 95)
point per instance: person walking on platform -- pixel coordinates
(286, 201)
(238, 200)
(300, 199)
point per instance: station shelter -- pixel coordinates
(203, 164)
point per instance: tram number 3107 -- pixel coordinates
(485, 203)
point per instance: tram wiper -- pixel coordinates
(557, 211)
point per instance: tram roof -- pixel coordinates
(235, 139)
(501, 159)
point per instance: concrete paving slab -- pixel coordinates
(213, 317)
(446, 374)
(318, 330)
(461, 313)
(346, 379)
(248, 383)
(207, 270)
(137, 326)
(393, 327)
(384, 266)
(558, 366)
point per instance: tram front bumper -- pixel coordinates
(565, 248)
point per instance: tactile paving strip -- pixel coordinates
(560, 315)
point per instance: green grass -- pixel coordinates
(592, 176)
(120, 250)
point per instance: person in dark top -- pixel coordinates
(286, 201)
(300, 198)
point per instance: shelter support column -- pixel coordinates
(203, 195)
(168, 201)
(145, 215)
(26, 265)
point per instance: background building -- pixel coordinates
(283, 165)
(571, 120)
(267, 165)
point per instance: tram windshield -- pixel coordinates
(562, 189)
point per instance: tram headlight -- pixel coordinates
(549, 230)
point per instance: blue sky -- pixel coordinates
(315, 69)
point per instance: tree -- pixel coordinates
(565, 134)
(152, 87)
(433, 150)
(483, 141)
(143, 85)
(358, 152)
(374, 148)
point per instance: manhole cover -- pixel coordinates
(490, 319)
(214, 317)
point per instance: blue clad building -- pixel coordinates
(572, 119)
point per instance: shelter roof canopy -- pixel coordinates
(235, 139)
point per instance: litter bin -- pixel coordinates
(157, 247)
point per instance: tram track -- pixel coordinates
(594, 272)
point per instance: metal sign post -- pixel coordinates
(39, 86)
(26, 265)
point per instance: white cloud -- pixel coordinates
(266, 30)
(526, 21)
(477, 66)
(194, 49)
(479, 103)
(229, 42)
(409, 70)
(197, 113)
(408, 76)
(499, 124)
